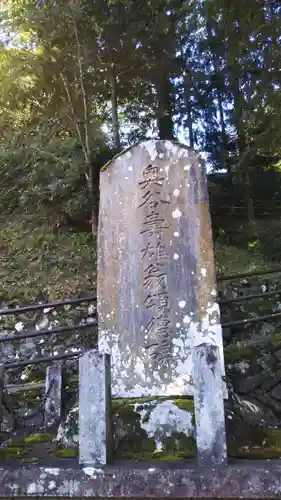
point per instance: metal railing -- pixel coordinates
(245, 298)
(50, 407)
(40, 333)
(51, 403)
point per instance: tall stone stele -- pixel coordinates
(156, 277)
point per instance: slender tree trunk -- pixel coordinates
(92, 198)
(242, 144)
(217, 70)
(187, 86)
(225, 154)
(164, 115)
(114, 109)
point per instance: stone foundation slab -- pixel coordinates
(240, 480)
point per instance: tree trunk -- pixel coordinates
(164, 115)
(93, 198)
(225, 153)
(217, 71)
(187, 85)
(242, 144)
(114, 109)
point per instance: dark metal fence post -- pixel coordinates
(1, 393)
(95, 440)
(53, 388)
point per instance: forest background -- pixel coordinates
(82, 79)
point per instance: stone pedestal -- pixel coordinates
(95, 440)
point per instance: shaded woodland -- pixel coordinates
(80, 80)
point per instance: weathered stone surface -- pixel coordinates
(159, 429)
(156, 284)
(243, 480)
(209, 408)
(95, 440)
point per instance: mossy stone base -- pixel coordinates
(153, 429)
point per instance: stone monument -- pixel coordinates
(156, 282)
(157, 311)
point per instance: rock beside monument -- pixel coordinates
(144, 429)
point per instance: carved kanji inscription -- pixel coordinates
(156, 281)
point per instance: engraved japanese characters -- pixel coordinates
(156, 283)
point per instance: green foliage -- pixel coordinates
(39, 261)
(268, 241)
(231, 259)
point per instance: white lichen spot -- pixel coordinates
(52, 485)
(55, 472)
(35, 488)
(139, 368)
(182, 304)
(42, 324)
(176, 256)
(187, 167)
(242, 366)
(91, 471)
(176, 234)
(19, 326)
(130, 169)
(176, 214)
(214, 293)
(204, 272)
(178, 325)
(128, 154)
(91, 309)
(186, 319)
(176, 192)
(150, 147)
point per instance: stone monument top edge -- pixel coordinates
(148, 143)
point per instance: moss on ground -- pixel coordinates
(65, 452)
(238, 352)
(38, 438)
(270, 448)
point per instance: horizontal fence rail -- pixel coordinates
(41, 333)
(52, 404)
(265, 272)
(46, 359)
(243, 298)
(246, 321)
(47, 305)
